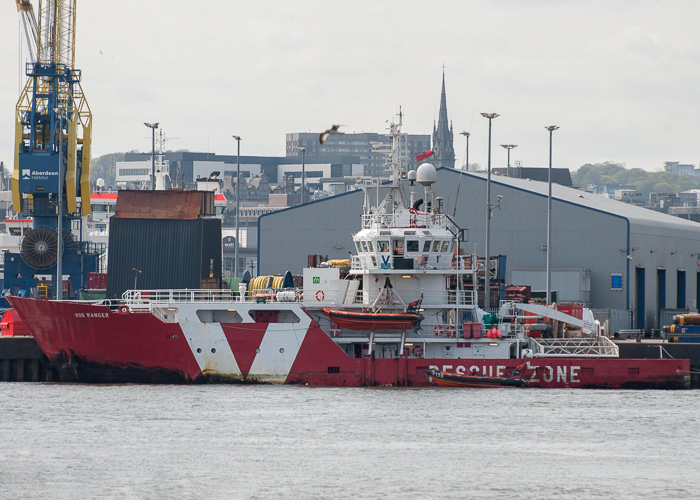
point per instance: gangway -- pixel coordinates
(548, 312)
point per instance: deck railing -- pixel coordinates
(403, 219)
(580, 347)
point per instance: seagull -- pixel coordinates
(324, 135)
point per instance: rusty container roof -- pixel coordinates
(175, 204)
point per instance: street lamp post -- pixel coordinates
(548, 297)
(487, 266)
(466, 156)
(153, 127)
(61, 112)
(238, 196)
(303, 174)
(508, 147)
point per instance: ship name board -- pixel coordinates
(92, 315)
(565, 374)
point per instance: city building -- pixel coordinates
(186, 167)
(678, 168)
(365, 146)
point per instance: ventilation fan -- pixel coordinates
(39, 247)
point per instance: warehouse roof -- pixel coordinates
(634, 214)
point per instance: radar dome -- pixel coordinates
(426, 174)
(411, 175)
(100, 182)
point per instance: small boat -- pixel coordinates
(448, 379)
(364, 320)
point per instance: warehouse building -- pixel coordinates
(634, 266)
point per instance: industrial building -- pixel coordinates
(185, 167)
(365, 146)
(630, 264)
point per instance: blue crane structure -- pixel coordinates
(51, 175)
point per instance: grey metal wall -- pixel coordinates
(324, 227)
(169, 253)
(581, 238)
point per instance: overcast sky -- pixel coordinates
(621, 78)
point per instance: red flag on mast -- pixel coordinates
(424, 155)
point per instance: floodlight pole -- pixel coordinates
(548, 297)
(487, 265)
(153, 127)
(61, 112)
(238, 204)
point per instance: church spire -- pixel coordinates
(442, 136)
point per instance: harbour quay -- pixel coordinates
(658, 348)
(21, 360)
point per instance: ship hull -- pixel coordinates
(93, 343)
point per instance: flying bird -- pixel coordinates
(324, 135)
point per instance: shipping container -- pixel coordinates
(97, 281)
(156, 254)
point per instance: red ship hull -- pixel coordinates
(92, 343)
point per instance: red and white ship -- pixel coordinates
(407, 305)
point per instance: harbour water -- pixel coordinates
(66, 441)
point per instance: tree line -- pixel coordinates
(643, 181)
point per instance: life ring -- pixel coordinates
(439, 330)
(123, 309)
(335, 330)
(451, 331)
(418, 351)
(320, 296)
(526, 328)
